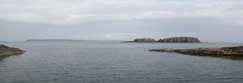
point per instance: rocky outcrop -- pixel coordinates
(168, 40)
(7, 51)
(225, 51)
(144, 40)
(180, 40)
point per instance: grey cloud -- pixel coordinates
(210, 20)
(78, 11)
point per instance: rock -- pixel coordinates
(7, 51)
(225, 51)
(144, 40)
(180, 40)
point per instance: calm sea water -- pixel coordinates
(115, 62)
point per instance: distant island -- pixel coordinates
(180, 40)
(7, 51)
(220, 52)
(168, 40)
(144, 40)
(29, 40)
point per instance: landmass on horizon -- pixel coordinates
(168, 40)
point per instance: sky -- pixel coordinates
(209, 20)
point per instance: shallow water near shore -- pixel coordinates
(115, 62)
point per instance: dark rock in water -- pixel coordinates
(225, 51)
(180, 40)
(7, 51)
(144, 40)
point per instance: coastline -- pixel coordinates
(9, 51)
(219, 52)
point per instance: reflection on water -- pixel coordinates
(222, 57)
(3, 57)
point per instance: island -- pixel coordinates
(166, 40)
(8, 51)
(54, 40)
(142, 40)
(180, 40)
(224, 51)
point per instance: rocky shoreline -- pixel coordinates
(219, 52)
(8, 51)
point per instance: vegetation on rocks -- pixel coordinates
(180, 40)
(144, 40)
(169, 40)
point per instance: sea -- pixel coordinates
(116, 62)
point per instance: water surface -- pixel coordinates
(115, 62)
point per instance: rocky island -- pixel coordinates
(167, 40)
(143, 40)
(221, 52)
(7, 51)
(180, 40)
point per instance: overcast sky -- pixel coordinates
(210, 20)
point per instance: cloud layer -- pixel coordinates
(121, 19)
(79, 11)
